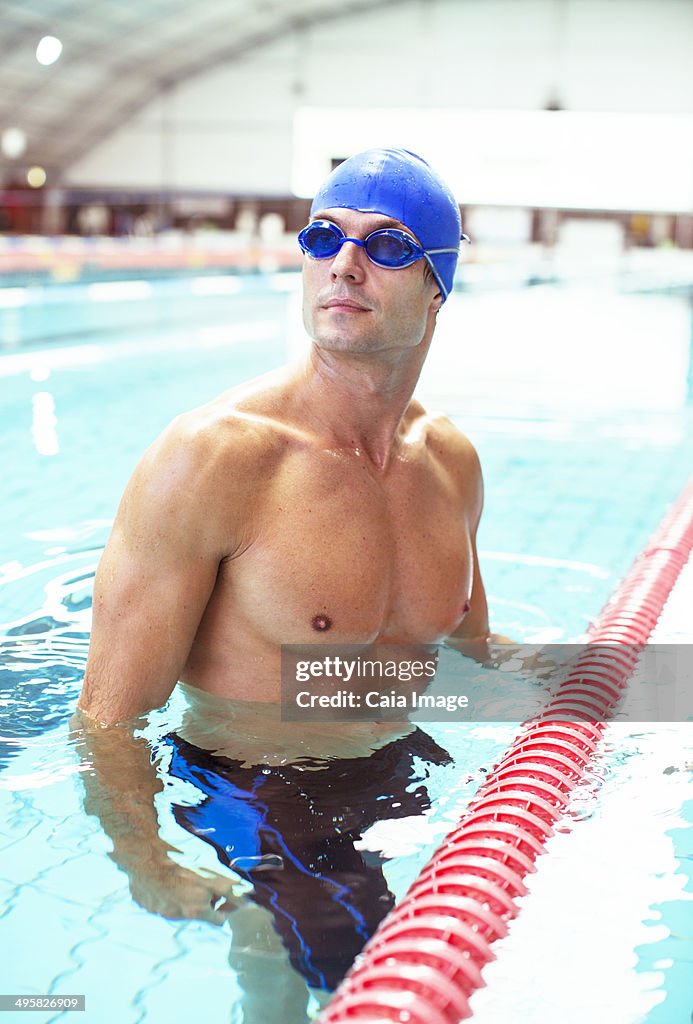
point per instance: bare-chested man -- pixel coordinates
(318, 503)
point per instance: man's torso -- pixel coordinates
(335, 551)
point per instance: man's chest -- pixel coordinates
(339, 554)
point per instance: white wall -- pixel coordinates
(232, 127)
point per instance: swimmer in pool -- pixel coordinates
(319, 503)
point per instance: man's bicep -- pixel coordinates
(475, 623)
(151, 589)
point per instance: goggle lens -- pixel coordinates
(321, 240)
(392, 248)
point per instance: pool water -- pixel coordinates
(584, 435)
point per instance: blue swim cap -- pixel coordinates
(401, 185)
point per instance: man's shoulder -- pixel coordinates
(241, 424)
(458, 457)
(232, 440)
(446, 440)
(225, 429)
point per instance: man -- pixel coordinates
(319, 502)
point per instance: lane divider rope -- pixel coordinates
(424, 961)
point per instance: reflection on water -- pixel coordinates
(667, 954)
(610, 910)
(43, 654)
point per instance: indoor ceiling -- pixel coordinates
(119, 54)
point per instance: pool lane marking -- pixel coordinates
(12, 364)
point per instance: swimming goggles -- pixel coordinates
(391, 248)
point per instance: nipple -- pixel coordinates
(321, 623)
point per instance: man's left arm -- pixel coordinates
(473, 636)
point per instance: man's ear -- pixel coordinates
(437, 302)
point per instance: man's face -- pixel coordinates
(352, 305)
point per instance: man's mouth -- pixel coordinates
(345, 305)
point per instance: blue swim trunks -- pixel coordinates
(290, 830)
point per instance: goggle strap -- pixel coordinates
(441, 250)
(435, 273)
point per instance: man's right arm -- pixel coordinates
(120, 786)
(152, 587)
(155, 578)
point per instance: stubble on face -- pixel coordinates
(351, 305)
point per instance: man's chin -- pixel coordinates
(347, 345)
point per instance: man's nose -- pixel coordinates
(349, 260)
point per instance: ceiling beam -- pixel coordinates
(115, 116)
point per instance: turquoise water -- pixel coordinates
(579, 469)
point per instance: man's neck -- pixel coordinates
(360, 399)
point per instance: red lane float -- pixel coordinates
(424, 962)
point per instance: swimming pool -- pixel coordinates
(582, 450)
